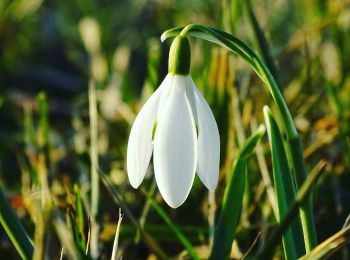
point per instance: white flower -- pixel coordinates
(178, 127)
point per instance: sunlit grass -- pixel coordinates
(74, 75)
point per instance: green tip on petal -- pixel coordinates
(180, 56)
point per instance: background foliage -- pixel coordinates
(50, 50)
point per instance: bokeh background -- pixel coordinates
(50, 51)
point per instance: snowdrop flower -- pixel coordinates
(178, 127)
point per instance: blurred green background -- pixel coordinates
(56, 47)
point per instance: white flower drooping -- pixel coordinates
(178, 127)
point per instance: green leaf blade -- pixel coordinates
(182, 238)
(293, 242)
(14, 228)
(232, 202)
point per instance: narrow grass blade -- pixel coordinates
(261, 40)
(330, 246)
(295, 156)
(283, 181)
(79, 214)
(232, 202)
(338, 109)
(14, 228)
(43, 165)
(116, 238)
(43, 135)
(250, 249)
(95, 188)
(148, 239)
(145, 210)
(74, 228)
(66, 239)
(270, 191)
(267, 251)
(190, 249)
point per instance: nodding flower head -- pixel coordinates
(178, 127)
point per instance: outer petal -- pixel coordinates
(208, 143)
(140, 144)
(191, 97)
(175, 146)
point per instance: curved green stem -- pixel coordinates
(240, 48)
(293, 144)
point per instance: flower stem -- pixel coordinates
(293, 144)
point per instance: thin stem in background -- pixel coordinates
(41, 213)
(94, 174)
(211, 216)
(146, 210)
(116, 238)
(264, 171)
(261, 40)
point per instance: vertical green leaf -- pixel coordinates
(182, 238)
(306, 215)
(232, 202)
(80, 212)
(74, 227)
(284, 187)
(300, 199)
(95, 183)
(14, 228)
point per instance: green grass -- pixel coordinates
(75, 74)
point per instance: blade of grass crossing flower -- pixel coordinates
(232, 201)
(284, 187)
(14, 228)
(190, 249)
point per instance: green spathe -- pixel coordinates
(180, 56)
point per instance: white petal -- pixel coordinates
(184, 81)
(191, 97)
(175, 147)
(140, 144)
(208, 143)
